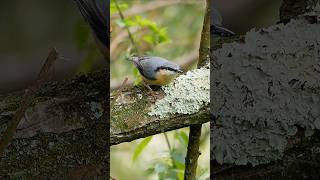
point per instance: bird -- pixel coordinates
(156, 70)
(216, 25)
(97, 14)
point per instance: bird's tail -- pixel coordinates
(96, 13)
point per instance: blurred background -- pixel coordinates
(29, 29)
(166, 28)
(242, 15)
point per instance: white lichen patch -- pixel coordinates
(263, 90)
(96, 109)
(186, 95)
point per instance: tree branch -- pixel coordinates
(130, 119)
(292, 156)
(26, 101)
(64, 129)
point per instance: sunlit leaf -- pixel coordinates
(178, 159)
(180, 175)
(149, 38)
(113, 8)
(182, 137)
(141, 147)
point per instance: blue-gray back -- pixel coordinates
(150, 65)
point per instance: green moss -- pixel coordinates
(127, 114)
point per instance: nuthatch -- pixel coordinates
(156, 70)
(96, 13)
(216, 24)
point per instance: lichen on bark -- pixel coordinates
(262, 89)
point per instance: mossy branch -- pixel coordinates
(130, 119)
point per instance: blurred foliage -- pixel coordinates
(158, 35)
(152, 158)
(140, 147)
(150, 34)
(170, 32)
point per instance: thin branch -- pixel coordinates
(167, 141)
(204, 51)
(170, 149)
(139, 9)
(127, 28)
(27, 100)
(193, 152)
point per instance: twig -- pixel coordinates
(112, 178)
(195, 130)
(139, 9)
(170, 149)
(167, 140)
(127, 28)
(26, 100)
(117, 94)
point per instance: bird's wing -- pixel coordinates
(96, 13)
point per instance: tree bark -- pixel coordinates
(193, 152)
(63, 133)
(301, 156)
(129, 119)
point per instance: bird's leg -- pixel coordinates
(149, 88)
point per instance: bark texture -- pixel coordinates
(130, 120)
(298, 157)
(64, 133)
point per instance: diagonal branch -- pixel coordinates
(27, 100)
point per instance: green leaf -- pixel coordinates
(149, 39)
(183, 138)
(178, 159)
(140, 147)
(180, 175)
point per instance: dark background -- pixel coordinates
(29, 29)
